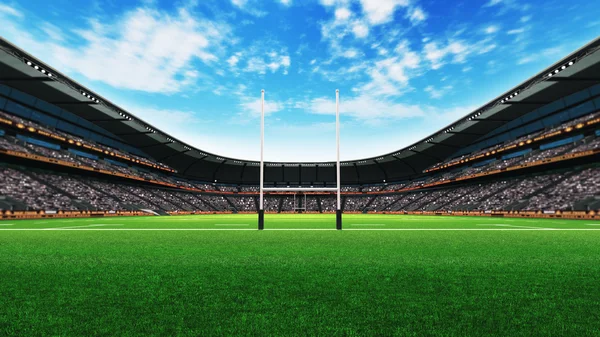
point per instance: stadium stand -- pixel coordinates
(538, 157)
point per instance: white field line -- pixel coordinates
(367, 224)
(6, 224)
(513, 226)
(300, 229)
(592, 224)
(86, 226)
(232, 224)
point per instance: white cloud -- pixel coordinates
(547, 53)
(492, 3)
(365, 107)
(286, 2)
(525, 19)
(342, 14)
(491, 29)
(455, 51)
(142, 50)
(507, 4)
(438, 93)
(381, 11)
(10, 11)
(233, 60)
(436, 54)
(390, 76)
(360, 30)
(250, 7)
(329, 3)
(53, 32)
(350, 53)
(516, 31)
(272, 61)
(252, 107)
(526, 59)
(416, 15)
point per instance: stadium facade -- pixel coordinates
(510, 154)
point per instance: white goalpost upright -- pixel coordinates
(263, 189)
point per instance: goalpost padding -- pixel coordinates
(337, 189)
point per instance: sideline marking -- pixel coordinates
(367, 224)
(87, 226)
(513, 226)
(232, 224)
(299, 229)
(6, 224)
(592, 224)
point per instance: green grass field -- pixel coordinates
(384, 275)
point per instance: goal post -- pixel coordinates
(263, 189)
(261, 209)
(338, 211)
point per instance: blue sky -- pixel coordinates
(405, 68)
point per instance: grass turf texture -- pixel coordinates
(518, 281)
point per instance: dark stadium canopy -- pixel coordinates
(575, 72)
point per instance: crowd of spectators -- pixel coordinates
(219, 202)
(77, 190)
(249, 188)
(350, 188)
(381, 201)
(587, 144)
(312, 204)
(33, 193)
(194, 200)
(374, 188)
(244, 204)
(404, 200)
(40, 190)
(328, 204)
(521, 188)
(357, 204)
(394, 187)
(123, 194)
(565, 194)
(225, 188)
(13, 144)
(271, 204)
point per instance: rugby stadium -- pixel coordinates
(487, 227)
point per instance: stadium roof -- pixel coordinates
(22, 71)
